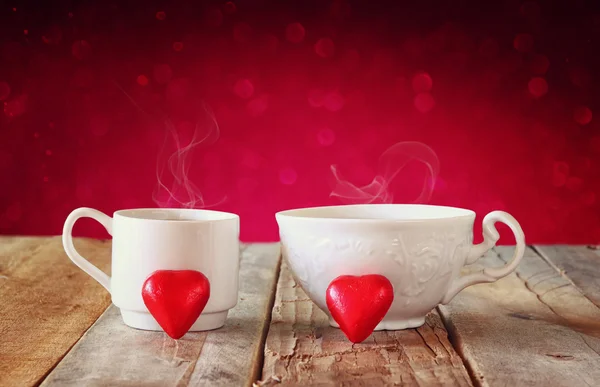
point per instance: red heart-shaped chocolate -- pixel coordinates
(175, 298)
(358, 304)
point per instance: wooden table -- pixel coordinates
(537, 327)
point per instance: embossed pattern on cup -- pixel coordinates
(420, 249)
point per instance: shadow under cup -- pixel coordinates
(147, 240)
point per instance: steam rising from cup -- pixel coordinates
(391, 162)
(174, 187)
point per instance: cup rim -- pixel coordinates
(213, 216)
(297, 214)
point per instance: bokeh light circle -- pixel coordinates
(559, 179)
(243, 88)
(422, 82)
(539, 64)
(523, 42)
(160, 15)
(229, 7)
(142, 80)
(582, 115)
(424, 102)
(257, 106)
(561, 167)
(326, 137)
(538, 87)
(295, 32)
(288, 176)
(177, 46)
(325, 48)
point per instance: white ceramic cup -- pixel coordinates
(421, 249)
(146, 240)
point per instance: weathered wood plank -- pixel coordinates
(580, 263)
(112, 354)
(302, 349)
(46, 303)
(532, 328)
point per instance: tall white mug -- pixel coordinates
(146, 240)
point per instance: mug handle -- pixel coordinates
(490, 237)
(67, 239)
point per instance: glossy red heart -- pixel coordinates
(358, 304)
(175, 298)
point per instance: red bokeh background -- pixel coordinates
(99, 95)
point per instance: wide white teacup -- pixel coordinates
(419, 248)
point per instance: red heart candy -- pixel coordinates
(175, 298)
(358, 304)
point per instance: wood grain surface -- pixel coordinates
(302, 349)
(581, 264)
(112, 354)
(540, 326)
(46, 303)
(532, 328)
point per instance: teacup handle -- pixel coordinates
(490, 237)
(67, 239)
